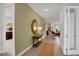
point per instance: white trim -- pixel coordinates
(14, 29)
(73, 6)
(73, 52)
(21, 53)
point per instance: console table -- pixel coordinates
(37, 40)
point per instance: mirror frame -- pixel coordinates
(34, 23)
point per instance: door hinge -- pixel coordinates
(66, 36)
(66, 49)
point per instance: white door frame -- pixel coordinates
(71, 52)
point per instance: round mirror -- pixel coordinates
(34, 26)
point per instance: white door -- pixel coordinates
(73, 30)
(8, 17)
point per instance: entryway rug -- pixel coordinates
(47, 50)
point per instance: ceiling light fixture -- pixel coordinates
(46, 9)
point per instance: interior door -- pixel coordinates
(8, 18)
(73, 30)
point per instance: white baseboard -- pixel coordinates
(21, 53)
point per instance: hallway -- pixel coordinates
(34, 51)
(23, 25)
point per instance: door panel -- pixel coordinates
(73, 30)
(77, 29)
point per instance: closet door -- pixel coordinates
(8, 22)
(73, 30)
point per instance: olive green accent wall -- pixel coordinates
(23, 18)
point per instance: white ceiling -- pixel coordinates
(52, 15)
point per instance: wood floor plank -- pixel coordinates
(47, 50)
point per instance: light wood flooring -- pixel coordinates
(34, 51)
